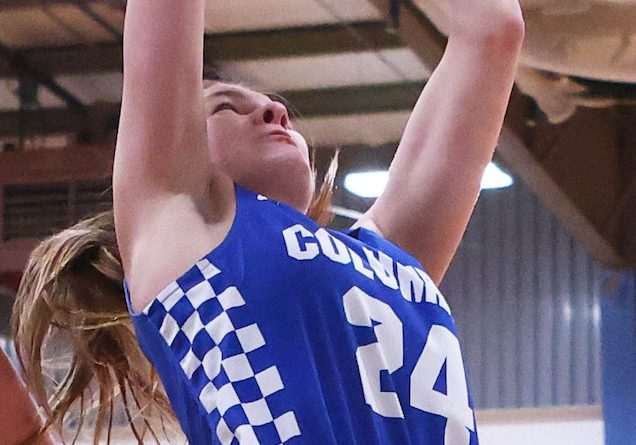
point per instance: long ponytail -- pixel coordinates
(71, 291)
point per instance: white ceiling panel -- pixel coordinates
(94, 88)
(371, 129)
(8, 98)
(241, 15)
(77, 24)
(336, 70)
(53, 25)
(31, 27)
(87, 89)
(406, 62)
(48, 99)
(350, 10)
(57, 25)
(111, 14)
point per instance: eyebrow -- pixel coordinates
(230, 92)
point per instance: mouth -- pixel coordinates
(282, 134)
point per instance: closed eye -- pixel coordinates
(224, 106)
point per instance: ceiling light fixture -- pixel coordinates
(495, 178)
(371, 184)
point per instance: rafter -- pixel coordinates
(42, 122)
(98, 19)
(415, 30)
(307, 40)
(308, 103)
(24, 69)
(87, 163)
(16, 4)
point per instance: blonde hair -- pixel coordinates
(320, 208)
(72, 288)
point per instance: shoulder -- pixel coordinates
(174, 235)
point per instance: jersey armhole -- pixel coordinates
(241, 195)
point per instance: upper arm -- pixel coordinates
(161, 145)
(434, 179)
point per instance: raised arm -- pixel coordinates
(162, 175)
(18, 417)
(434, 179)
(162, 126)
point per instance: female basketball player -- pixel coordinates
(264, 326)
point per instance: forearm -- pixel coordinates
(163, 44)
(162, 126)
(18, 416)
(449, 140)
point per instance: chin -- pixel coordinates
(294, 197)
(282, 178)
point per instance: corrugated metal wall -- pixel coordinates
(525, 297)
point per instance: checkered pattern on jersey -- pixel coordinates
(221, 350)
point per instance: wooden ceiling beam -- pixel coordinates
(249, 45)
(355, 99)
(17, 4)
(95, 162)
(300, 41)
(308, 103)
(415, 30)
(53, 121)
(71, 164)
(24, 70)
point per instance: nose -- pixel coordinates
(275, 113)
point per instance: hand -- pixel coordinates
(475, 19)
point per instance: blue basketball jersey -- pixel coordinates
(290, 333)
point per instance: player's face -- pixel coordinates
(252, 139)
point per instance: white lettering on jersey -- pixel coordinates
(441, 352)
(332, 247)
(293, 244)
(414, 284)
(383, 267)
(359, 265)
(411, 285)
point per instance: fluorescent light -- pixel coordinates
(367, 184)
(495, 178)
(371, 184)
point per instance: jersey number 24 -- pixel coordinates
(388, 354)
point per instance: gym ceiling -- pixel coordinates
(352, 69)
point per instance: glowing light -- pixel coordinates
(596, 314)
(371, 184)
(495, 178)
(367, 184)
(567, 312)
